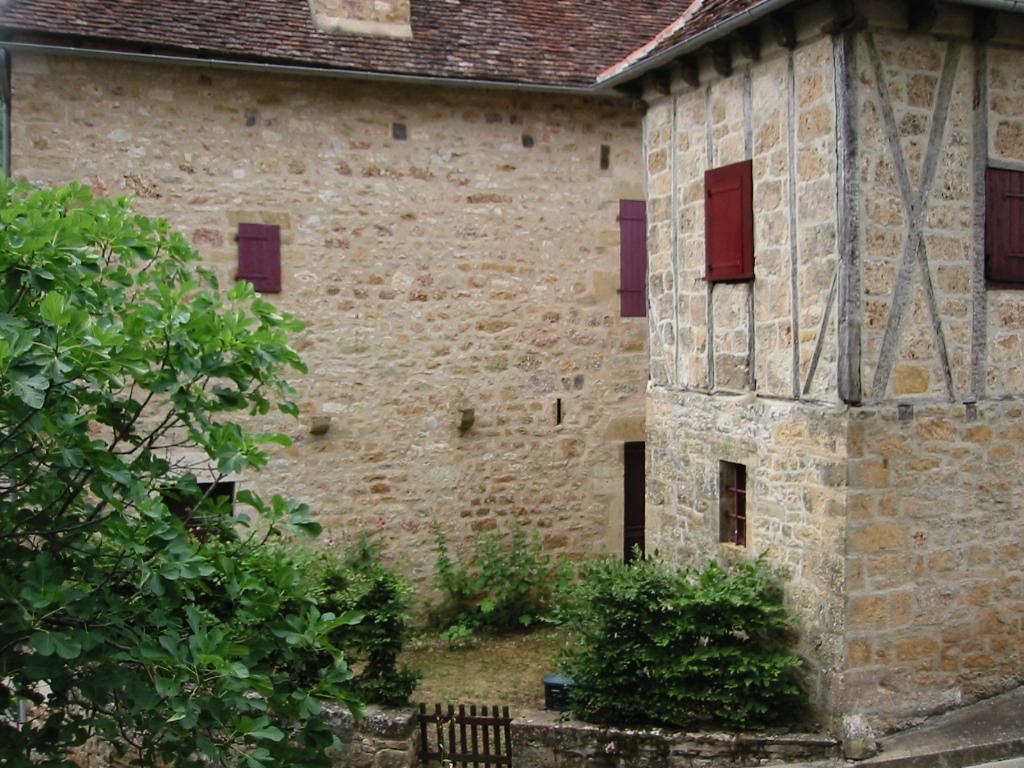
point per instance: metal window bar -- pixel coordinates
(738, 507)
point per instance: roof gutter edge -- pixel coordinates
(746, 17)
(599, 89)
(721, 29)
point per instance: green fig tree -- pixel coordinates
(127, 375)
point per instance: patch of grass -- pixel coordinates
(497, 670)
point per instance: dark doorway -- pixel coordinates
(633, 484)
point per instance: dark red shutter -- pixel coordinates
(259, 256)
(729, 222)
(1004, 226)
(633, 258)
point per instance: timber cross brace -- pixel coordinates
(915, 203)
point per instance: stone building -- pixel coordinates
(837, 332)
(444, 182)
(833, 216)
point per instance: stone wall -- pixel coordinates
(724, 386)
(774, 335)
(382, 738)
(472, 264)
(932, 112)
(934, 566)
(880, 426)
(795, 454)
(549, 740)
(934, 573)
(389, 738)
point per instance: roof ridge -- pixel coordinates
(653, 43)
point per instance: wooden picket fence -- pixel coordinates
(474, 738)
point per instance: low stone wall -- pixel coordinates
(549, 740)
(383, 738)
(387, 739)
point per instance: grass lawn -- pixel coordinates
(497, 670)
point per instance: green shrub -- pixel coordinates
(652, 644)
(370, 601)
(507, 584)
(458, 636)
(360, 583)
(119, 617)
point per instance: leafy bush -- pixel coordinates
(117, 620)
(506, 584)
(372, 601)
(458, 636)
(653, 644)
(360, 583)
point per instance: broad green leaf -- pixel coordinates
(269, 733)
(29, 388)
(53, 308)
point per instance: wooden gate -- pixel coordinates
(454, 736)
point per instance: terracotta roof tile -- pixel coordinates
(543, 42)
(699, 17)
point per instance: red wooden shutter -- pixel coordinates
(1004, 226)
(633, 258)
(729, 222)
(259, 256)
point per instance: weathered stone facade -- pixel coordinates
(935, 577)
(867, 378)
(471, 265)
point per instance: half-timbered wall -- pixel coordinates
(868, 378)
(934, 573)
(746, 372)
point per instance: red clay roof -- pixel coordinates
(699, 17)
(542, 42)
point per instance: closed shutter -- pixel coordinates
(729, 222)
(259, 256)
(633, 258)
(1004, 226)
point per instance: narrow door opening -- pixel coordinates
(633, 485)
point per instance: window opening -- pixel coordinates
(732, 483)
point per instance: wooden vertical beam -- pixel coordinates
(674, 197)
(979, 293)
(847, 211)
(794, 240)
(709, 163)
